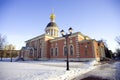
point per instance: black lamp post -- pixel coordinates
(66, 38)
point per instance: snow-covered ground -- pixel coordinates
(43, 70)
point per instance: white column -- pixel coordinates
(50, 31)
(53, 32)
(56, 33)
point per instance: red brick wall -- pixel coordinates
(86, 50)
(97, 54)
(47, 49)
(60, 45)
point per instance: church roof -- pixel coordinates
(52, 24)
(38, 37)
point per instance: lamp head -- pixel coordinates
(70, 30)
(62, 32)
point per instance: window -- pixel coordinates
(39, 54)
(51, 51)
(31, 52)
(56, 51)
(65, 51)
(39, 41)
(71, 50)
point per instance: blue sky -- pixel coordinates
(21, 20)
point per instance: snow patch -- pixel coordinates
(43, 70)
(94, 62)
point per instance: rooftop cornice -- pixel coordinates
(73, 35)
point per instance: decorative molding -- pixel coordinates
(61, 38)
(77, 47)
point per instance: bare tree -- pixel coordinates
(108, 53)
(118, 39)
(11, 48)
(2, 42)
(104, 41)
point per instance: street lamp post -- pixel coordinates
(66, 38)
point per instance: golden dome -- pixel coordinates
(52, 16)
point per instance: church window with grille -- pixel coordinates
(71, 50)
(65, 51)
(39, 54)
(56, 51)
(51, 51)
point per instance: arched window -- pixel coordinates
(65, 51)
(71, 50)
(39, 54)
(56, 51)
(51, 51)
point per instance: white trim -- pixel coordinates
(35, 38)
(43, 59)
(48, 28)
(81, 36)
(39, 37)
(73, 35)
(93, 49)
(97, 59)
(75, 59)
(77, 47)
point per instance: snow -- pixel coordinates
(109, 71)
(43, 70)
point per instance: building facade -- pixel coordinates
(49, 46)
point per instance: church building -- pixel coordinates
(50, 46)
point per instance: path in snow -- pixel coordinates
(110, 71)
